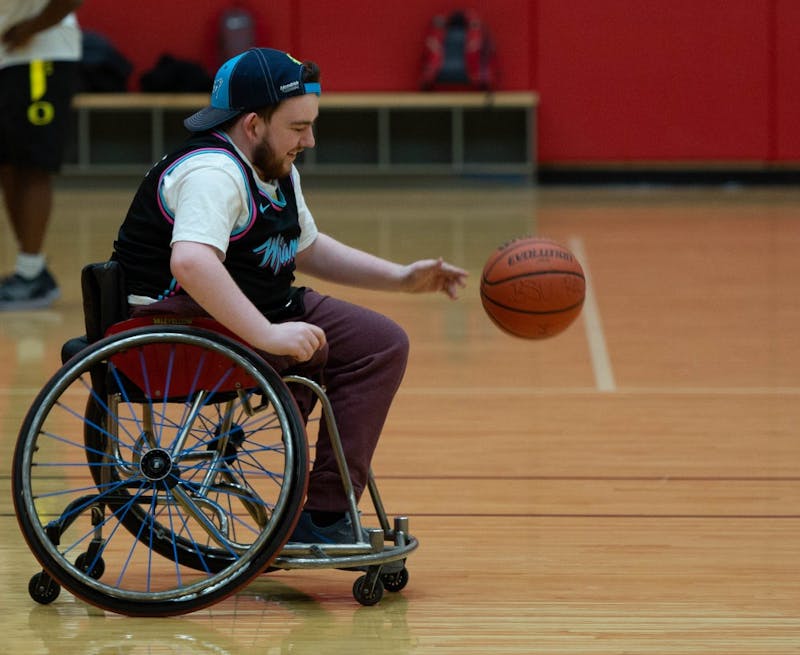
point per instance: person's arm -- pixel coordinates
(334, 261)
(198, 269)
(52, 14)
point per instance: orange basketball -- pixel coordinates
(532, 288)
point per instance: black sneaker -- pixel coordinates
(17, 292)
(341, 532)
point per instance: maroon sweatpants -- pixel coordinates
(361, 367)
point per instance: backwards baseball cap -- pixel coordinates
(256, 78)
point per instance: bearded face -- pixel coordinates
(268, 164)
(284, 135)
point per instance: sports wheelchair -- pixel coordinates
(165, 465)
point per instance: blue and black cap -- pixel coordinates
(253, 79)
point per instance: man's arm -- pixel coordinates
(52, 14)
(198, 269)
(334, 261)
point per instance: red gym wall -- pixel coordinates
(619, 80)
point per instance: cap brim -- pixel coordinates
(209, 117)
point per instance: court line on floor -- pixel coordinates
(519, 390)
(598, 350)
(581, 391)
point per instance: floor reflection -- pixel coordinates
(267, 617)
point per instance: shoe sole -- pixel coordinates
(34, 303)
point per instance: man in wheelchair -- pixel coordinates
(219, 226)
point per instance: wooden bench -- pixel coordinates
(359, 133)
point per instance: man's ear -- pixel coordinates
(250, 123)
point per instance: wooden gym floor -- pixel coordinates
(630, 486)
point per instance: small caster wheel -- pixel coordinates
(82, 562)
(43, 589)
(395, 581)
(363, 596)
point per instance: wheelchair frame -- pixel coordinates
(193, 450)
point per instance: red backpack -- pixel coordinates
(458, 51)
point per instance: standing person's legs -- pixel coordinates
(35, 110)
(28, 195)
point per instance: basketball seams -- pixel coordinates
(531, 312)
(492, 283)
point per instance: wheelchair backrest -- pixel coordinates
(105, 299)
(105, 302)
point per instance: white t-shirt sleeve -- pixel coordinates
(207, 197)
(308, 228)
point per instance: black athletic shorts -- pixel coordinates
(35, 103)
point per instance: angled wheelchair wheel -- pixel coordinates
(160, 470)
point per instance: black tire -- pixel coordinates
(43, 589)
(84, 561)
(364, 595)
(181, 468)
(395, 581)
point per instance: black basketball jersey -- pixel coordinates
(260, 256)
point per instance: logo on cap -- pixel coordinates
(291, 86)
